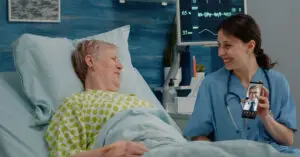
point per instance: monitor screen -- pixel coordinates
(197, 20)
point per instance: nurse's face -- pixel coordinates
(232, 50)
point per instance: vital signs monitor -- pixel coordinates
(197, 20)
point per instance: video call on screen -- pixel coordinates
(199, 18)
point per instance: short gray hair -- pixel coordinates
(84, 48)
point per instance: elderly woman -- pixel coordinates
(78, 121)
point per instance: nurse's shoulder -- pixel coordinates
(277, 79)
(218, 77)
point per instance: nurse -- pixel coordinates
(218, 109)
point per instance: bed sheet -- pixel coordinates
(17, 138)
(163, 139)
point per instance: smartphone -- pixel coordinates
(250, 104)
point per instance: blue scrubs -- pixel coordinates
(210, 116)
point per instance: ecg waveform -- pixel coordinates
(214, 14)
(200, 18)
(186, 32)
(209, 31)
(208, 1)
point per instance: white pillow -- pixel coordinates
(46, 71)
(132, 82)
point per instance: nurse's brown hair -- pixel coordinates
(245, 28)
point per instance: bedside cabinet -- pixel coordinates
(180, 119)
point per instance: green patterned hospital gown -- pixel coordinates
(78, 121)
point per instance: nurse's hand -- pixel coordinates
(263, 105)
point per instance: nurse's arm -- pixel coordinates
(282, 128)
(278, 131)
(200, 123)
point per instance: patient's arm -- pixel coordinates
(90, 153)
(201, 138)
(117, 149)
(67, 134)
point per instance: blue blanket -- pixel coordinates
(163, 138)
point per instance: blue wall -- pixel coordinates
(150, 28)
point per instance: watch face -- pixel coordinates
(271, 113)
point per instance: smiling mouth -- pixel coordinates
(227, 61)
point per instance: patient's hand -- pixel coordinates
(125, 149)
(201, 138)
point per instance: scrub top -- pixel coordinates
(211, 117)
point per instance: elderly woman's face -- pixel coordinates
(107, 65)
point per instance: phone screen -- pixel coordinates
(250, 104)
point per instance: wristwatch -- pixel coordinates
(271, 114)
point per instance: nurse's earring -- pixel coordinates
(93, 69)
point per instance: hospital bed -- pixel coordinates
(17, 135)
(21, 130)
(44, 77)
